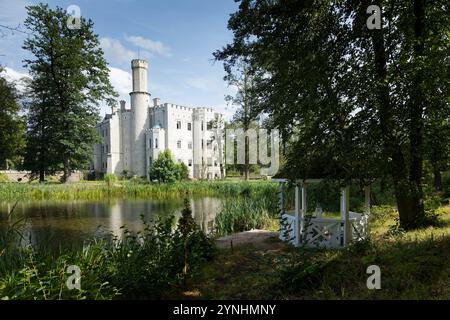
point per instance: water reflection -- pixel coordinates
(70, 223)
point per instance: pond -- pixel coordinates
(69, 223)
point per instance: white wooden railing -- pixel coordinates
(322, 232)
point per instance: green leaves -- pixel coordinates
(12, 126)
(164, 169)
(350, 103)
(69, 80)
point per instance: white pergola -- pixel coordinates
(318, 231)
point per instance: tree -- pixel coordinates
(350, 102)
(239, 75)
(12, 127)
(70, 78)
(164, 169)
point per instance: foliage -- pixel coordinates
(110, 179)
(138, 265)
(12, 126)
(357, 103)
(244, 117)
(243, 214)
(99, 190)
(164, 168)
(69, 78)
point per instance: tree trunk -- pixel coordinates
(67, 171)
(408, 188)
(41, 176)
(437, 178)
(247, 156)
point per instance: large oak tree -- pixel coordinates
(351, 101)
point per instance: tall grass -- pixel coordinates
(102, 190)
(242, 214)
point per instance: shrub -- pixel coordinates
(110, 179)
(164, 169)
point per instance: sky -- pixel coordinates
(176, 37)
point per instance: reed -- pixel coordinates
(130, 189)
(242, 214)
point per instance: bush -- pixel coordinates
(125, 175)
(110, 179)
(164, 169)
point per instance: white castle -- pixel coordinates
(133, 138)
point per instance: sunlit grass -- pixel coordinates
(124, 189)
(414, 265)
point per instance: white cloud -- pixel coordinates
(150, 45)
(121, 81)
(17, 77)
(116, 53)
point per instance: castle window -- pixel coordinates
(189, 145)
(190, 162)
(156, 143)
(150, 142)
(209, 144)
(178, 124)
(203, 143)
(209, 126)
(202, 125)
(179, 144)
(189, 126)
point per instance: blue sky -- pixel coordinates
(176, 37)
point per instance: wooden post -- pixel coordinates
(345, 215)
(297, 217)
(303, 212)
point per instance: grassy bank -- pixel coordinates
(141, 265)
(414, 265)
(124, 189)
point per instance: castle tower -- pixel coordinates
(140, 99)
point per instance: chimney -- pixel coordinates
(122, 105)
(113, 109)
(156, 102)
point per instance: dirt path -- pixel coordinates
(261, 239)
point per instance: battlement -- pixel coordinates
(139, 63)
